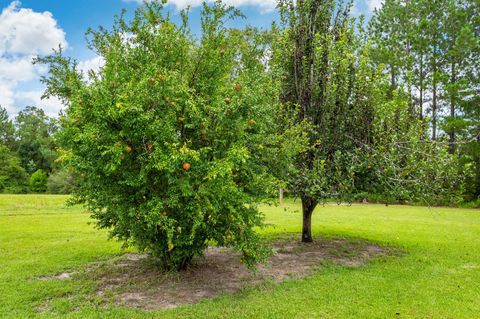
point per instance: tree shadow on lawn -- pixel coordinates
(133, 280)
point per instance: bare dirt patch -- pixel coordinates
(132, 280)
(60, 276)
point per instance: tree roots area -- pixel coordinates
(133, 280)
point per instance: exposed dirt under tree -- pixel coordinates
(132, 280)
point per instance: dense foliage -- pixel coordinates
(174, 136)
(406, 165)
(62, 181)
(27, 143)
(431, 52)
(38, 182)
(13, 178)
(329, 87)
(34, 139)
(364, 138)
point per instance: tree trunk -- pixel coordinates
(280, 196)
(434, 105)
(308, 206)
(477, 167)
(393, 82)
(421, 89)
(453, 97)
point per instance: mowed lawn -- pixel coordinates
(437, 276)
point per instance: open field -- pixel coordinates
(437, 276)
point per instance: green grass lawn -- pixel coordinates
(438, 276)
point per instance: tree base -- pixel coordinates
(307, 239)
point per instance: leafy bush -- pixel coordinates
(62, 181)
(174, 136)
(38, 182)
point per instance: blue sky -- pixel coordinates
(32, 27)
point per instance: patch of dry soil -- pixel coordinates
(61, 276)
(133, 281)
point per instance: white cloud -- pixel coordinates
(93, 64)
(51, 106)
(374, 4)
(18, 70)
(263, 5)
(23, 35)
(7, 99)
(23, 31)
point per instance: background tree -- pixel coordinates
(36, 146)
(363, 130)
(13, 178)
(7, 130)
(406, 166)
(444, 56)
(467, 119)
(328, 87)
(393, 46)
(172, 137)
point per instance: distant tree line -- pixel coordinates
(431, 53)
(28, 154)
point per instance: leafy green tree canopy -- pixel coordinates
(330, 88)
(36, 145)
(173, 136)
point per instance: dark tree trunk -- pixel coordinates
(393, 83)
(421, 89)
(434, 93)
(308, 206)
(477, 168)
(453, 98)
(434, 111)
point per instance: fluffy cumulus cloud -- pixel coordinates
(23, 31)
(263, 5)
(51, 106)
(25, 34)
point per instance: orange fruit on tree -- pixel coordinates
(186, 166)
(128, 149)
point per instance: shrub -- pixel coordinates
(38, 182)
(62, 181)
(174, 136)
